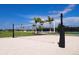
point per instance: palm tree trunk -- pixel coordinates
(33, 29)
(36, 31)
(50, 28)
(54, 26)
(41, 27)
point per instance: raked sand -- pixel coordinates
(38, 45)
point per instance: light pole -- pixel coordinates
(62, 34)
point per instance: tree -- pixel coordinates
(50, 21)
(39, 20)
(41, 23)
(34, 27)
(35, 20)
(59, 27)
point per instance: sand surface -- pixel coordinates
(38, 45)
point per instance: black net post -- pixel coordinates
(62, 34)
(13, 31)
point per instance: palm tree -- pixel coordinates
(39, 20)
(35, 20)
(41, 24)
(50, 21)
(34, 27)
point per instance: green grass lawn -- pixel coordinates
(22, 33)
(30, 33)
(17, 33)
(5, 33)
(72, 33)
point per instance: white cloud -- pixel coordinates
(75, 19)
(55, 14)
(69, 21)
(43, 17)
(66, 10)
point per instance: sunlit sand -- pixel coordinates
(38, 45)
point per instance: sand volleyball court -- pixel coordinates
(38, 45)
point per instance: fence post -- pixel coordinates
(62, 34)
(13, 31)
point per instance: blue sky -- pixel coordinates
(24, 13)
